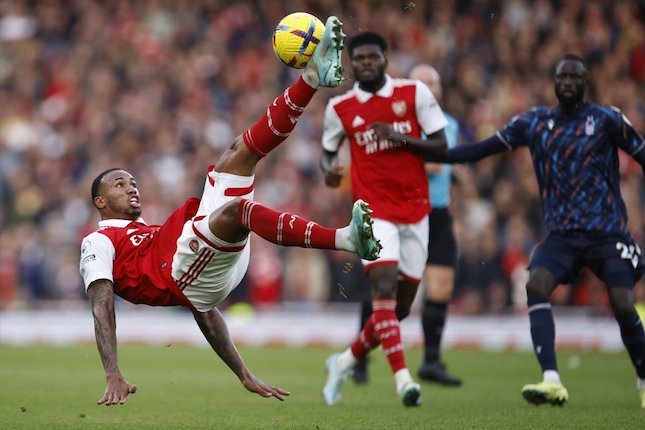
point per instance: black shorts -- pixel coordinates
(442, 246)
(614, 258)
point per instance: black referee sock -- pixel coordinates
(631, 330)
(433, 319)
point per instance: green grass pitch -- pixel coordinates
(189, 388)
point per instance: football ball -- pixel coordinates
(296, 37)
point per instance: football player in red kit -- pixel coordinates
(383, 118)
(202, 251)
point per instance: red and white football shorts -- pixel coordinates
(205, 267)
(403, 244)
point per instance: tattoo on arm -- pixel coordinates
(214, 328)
(101, 297)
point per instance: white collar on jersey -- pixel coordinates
(385, 91)
(119, 222)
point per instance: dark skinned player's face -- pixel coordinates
(570, 82)
(368, 62)
(118, 197)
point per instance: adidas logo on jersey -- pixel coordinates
(358, 121)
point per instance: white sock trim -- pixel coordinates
(346, 359)
(552, 376)
(640, 383)
(343, 242)
(401, 377)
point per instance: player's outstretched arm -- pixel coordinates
(331, 169)
(215, 331)
(101, 295)
(432, 148)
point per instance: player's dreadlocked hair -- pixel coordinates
(96, 183)
(366, 38)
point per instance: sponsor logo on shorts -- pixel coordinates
(193, 245)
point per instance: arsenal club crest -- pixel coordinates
(399, 108)
(193, 245)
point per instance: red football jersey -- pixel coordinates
(137, 257)
(385, 174)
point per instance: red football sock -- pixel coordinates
(386, 326)
(284, 228)
(279, 120)
(366, 340)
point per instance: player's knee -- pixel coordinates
(538, 285)
(622, 301)
(383, 289)
(230, 212)
(225, 222)
(383, 282)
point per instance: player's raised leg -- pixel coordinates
(233, 221)
(324, 70)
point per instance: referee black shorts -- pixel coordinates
(442, 245)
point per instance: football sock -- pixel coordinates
(631, 331)
(551, 376)
(401, 377)
(366, 341)
(543, 332)
(283, 228)
(346, 359)
(343, 240)
(433, 319)
(279, 120)
(386, 326)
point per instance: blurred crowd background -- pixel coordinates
(161, 88)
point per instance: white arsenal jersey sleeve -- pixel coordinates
(97, 258)
(429, 113)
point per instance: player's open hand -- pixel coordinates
(117, 392)
(255, 385)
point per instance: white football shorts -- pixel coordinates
(403, 244)
(205, 267)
